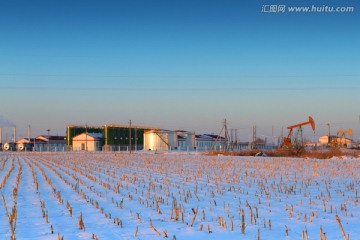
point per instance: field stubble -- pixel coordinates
(146, 196)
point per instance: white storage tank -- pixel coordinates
(161, 140)
(188, 140)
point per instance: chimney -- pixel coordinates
(29, 131)
(0, 135)
(14, 134)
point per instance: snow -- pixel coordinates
(140, 187)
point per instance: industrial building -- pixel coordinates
(335, 140)
(52, 143)
(115, 137)
(205, 142)
(124, 137)
(42, 143)
(39, 143)
(27, 144)
(74, 130)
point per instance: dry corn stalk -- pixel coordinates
(153, 228)
(242, 221)
(165, 234)
(81, 222)
(136, 231)
(194, 217)
(208, 229)
(341, 227)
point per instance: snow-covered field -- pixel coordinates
(151, 196)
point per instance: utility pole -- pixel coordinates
(328, 125)
(29, 133)
(254, 134)
(236, 140)
(226, 135)
(86, 133)
(130, 136)
(48, 139)
(135, 139)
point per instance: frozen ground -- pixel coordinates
(183, 196)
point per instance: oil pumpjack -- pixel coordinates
(297, 141)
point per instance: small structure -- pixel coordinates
(88, 142)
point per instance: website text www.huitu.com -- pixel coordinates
(306, 9)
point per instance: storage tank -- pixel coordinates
(189, 139)
(25, 146)
(161, 140)
(9, 146)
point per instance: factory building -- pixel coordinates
(115, 137)
(123, 137)
(74, 130)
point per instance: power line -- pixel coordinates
(174, 76)
(180, 89)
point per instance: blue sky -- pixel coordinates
(178, 64)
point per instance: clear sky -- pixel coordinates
(179, 64)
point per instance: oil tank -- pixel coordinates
(25, 146)
(161, 140)
(9, 146)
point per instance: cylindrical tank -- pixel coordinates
(9, 146)
(20, 146)
(161, 140)
(190, 140)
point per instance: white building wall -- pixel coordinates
(323, 140)
(83, 143)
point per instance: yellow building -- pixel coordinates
(88, 142)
